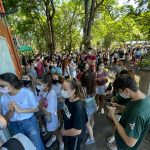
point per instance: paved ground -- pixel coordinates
(102, 130)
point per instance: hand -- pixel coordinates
(111, 111)
(11, 107)
(61, 100)
(47, 113)
(115, 105)
(120, 108)
(62, 132)
(16, 107)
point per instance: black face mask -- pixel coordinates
(54, 81)
(26, 83)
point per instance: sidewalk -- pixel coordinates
(102, 130)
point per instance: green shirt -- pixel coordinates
(136, 121)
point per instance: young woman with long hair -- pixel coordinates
(75, 117)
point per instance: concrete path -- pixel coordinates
(102, 130)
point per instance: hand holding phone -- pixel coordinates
(109, 104)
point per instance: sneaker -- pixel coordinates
(112, 146)
(43, 133)
(61, 147)
(50, 142)
(97, 107)
(89, 141)
(111, 139)
(102, 111)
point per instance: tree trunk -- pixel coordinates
(49, 37)
(51, 33)
(90, 9)
(85, 30)
(52, 28)
(53, 46)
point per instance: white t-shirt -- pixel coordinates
(67, 71)
(52, 108)
(115, 55)
(25, 99)
(57, 88)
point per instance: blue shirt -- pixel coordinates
(25, 99)
(57, 70)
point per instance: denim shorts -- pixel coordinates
(101, 90)
(91, 107)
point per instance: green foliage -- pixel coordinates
(145, 62)
(112, 23)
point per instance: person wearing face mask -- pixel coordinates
(65, 68)
(75, 116)
(102, 79)
(30, 69)
(18, 107)
(27, 83)
(21, 141)
(57, 87)
(72, 67)
(40, 67)
(88, 81)
(119, 99)
(56, 69)
(48, 104)
(46, 65)
(91, 59)
(135, 120)
(116, 68)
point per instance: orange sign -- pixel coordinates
(5, 32)
(1, 7)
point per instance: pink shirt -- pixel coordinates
(40, 69)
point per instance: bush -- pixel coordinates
(144, 63)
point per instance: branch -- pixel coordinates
(53, 8)
(98, 5)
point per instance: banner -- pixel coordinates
(6, 63)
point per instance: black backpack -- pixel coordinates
(13, 144)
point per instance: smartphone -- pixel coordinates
(108, 104)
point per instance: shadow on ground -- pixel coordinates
(102, 130)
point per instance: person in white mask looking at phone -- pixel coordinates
(135, 120)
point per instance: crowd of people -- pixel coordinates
(60, 94)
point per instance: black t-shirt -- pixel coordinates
(75, 115)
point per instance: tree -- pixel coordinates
(90, 8)
(49, 25)
(50, 13)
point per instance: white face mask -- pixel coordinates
(4, 90)
(55, 65)
(35, 65)
(124, 96)
(40, 87)
(101, 67)
(65, 94)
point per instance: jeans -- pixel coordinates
(30, 128)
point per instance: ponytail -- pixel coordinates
(75, 85)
